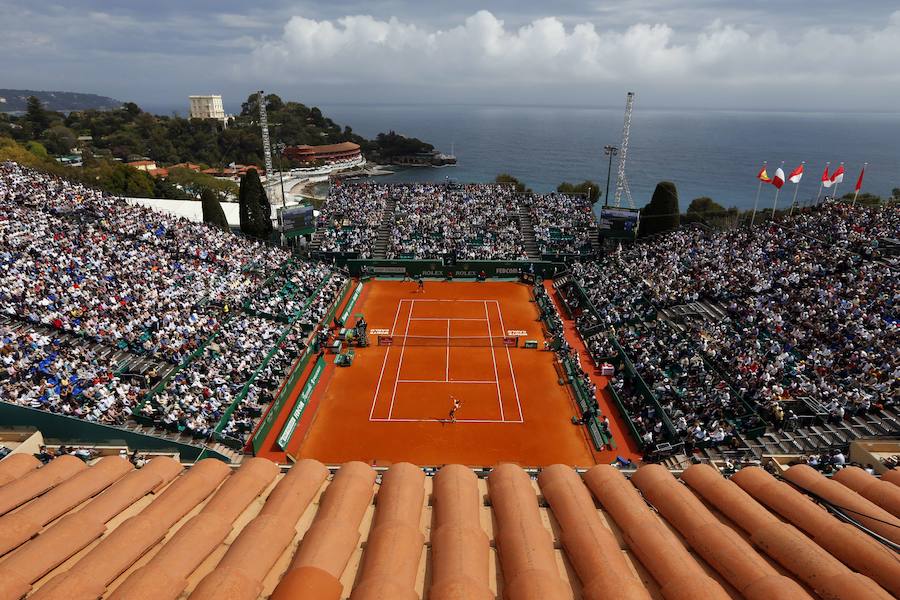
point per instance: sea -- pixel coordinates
(714, 153)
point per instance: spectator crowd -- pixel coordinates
(807, 318)
(431, 220)
(562, 223)
(351, 218)
(477, 222)
(82, 272)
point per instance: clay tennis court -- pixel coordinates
(453, 342)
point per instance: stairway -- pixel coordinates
(383, 238)
(315, 243)
(526, 228)
(821, 436)
(596, 242)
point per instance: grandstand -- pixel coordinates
(135, 346)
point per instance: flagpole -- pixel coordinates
(821, 183)
(857, 189)
(777, 191)
(756, 202)
(796, 189)
(837, 183)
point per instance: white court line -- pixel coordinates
(412, 307)
(384, 364)
(509, 358)
(447, 373)
(390, 420)
(444, 300)
(459, 337)
(446, 318)
(494, 360)
(491, 381)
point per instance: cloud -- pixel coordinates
(483, 49)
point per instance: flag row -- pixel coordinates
(828, 180)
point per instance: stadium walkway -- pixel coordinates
(625, 445)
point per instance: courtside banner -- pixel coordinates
(346, 314)
(302, 400)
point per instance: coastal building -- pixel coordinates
(149, 166)
(207, 107)
(328, 153)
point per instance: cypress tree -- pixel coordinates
(264, 210)
(662, 214)
(254, 207)
(212, 210)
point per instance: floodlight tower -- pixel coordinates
(267, 147)
(621, 181)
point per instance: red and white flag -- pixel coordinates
(838, 175)
(826, 178)
(796, 175)
(859, 181)
(778, 179)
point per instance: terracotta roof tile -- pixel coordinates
(868, 513)
(74, 532)
(257, 533)
(892, 476)
(18, 527)
(802, 557)
(883, 493)
(37, 482)
(16, 465)
(843, 541)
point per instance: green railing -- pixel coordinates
(644, 389)
(242, 395)
(265, 426)
(164, 382)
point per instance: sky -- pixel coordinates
(759, 55)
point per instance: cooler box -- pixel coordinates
(607, 369)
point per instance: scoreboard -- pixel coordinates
(298, 217)
(619, 223)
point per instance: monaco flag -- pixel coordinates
(778, 179)
(796, 175)
(838, 175)
(826, 178)
(859, 181)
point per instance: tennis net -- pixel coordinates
(442, 341)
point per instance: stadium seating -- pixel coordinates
(89, 285)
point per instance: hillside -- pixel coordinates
(15, 101)
(129, 132)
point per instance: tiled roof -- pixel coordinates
(69, 531)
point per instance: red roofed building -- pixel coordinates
(304, 154)
(150, 167)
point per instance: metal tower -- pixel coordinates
(621, 182)
(267, 147)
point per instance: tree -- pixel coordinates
(662, 213)
(37, 149)
(586, 187)
(254, 209)
(865, 198)
(507, 178)
(37, 119)
(60, 140)
(212, 210)
(895, 193)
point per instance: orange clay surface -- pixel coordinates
(393, 403)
